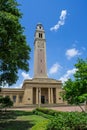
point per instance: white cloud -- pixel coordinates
(54, 69)
(61, 21)
(4, 85)
(67, 75)
(70, 53)
(25, 76)
(17, 86)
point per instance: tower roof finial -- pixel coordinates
(39, 26)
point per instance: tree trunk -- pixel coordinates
(81, 108)
(86, 106)
(0, 89)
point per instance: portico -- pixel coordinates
(44, 91)
(44, 96)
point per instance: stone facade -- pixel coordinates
(40, 89)
(35, 91)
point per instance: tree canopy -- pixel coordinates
(75, 91)
(14, 50)
(5, 102)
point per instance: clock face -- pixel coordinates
(40, 44)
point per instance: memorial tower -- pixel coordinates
(40, 70)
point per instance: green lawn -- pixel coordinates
(20, 120)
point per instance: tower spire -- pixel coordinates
(40, 53)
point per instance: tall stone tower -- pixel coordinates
(40, 53)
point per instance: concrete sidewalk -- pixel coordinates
(59, 108)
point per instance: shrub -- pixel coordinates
(5, 102)
(48, 111)
(71, 121)
(64, 120)
(41, 113)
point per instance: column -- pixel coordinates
(52, 95)
(32, 96)
(17, 99)
(39, 96)
(11, 97)
(49, 96)
(36, 95)
(57, 97)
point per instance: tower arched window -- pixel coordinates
(40, 35)
(40, 27)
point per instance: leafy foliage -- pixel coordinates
(14, 51)
(75, 91)
(64, 120)
(68, 121)
(46, 111)
(5, 102)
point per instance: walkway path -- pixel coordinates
(60, 108)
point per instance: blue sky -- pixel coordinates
(65, 24)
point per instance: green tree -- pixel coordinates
(75, 91)
(14, 51)
(5, 102)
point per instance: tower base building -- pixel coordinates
(41, 89)
(35, 91)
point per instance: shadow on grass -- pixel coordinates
(16, 125)
(12, 114)
(7, 115)
(8, 120)
(22, 113)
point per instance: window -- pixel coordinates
(14, 98)
(40, 35)
(20, 99)
(40, 27)
(41, 60)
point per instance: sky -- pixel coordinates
(65, 25)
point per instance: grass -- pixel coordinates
(21, 120)
(40, 125)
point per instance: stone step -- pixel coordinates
(41, 105)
